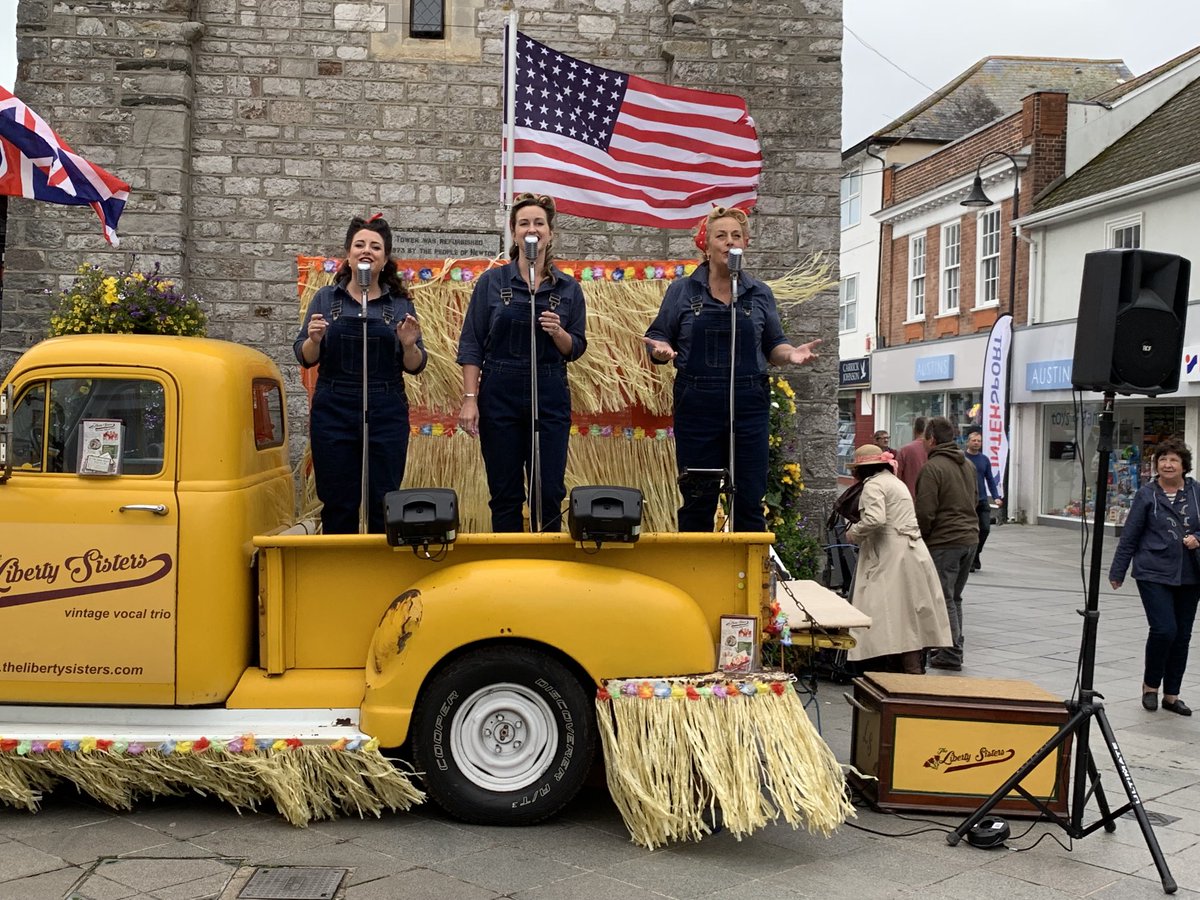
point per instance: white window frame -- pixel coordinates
(986, 258)
(1115, 227)
(950, 280)
(850, 192)
(848, 304)
(916, 278)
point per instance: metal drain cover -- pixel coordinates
(292, 883)
(1156, 818)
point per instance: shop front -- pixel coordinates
(1057, 432)
(940, 378)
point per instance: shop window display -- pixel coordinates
(1068, 488)
(845, 444)
(960, 407)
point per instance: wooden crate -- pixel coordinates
(945, 744)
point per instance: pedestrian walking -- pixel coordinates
(1161, 537)
(910, 458)
(896, 582)
(986, 486)
(946, 497)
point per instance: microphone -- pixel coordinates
(531, 247)
(364, 275)
(735, 260)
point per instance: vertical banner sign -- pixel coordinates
(996, 360)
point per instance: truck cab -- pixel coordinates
(112, 553)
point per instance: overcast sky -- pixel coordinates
(929, 42)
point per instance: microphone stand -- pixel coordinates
(733, 298)
(365, 284)
(535, 425)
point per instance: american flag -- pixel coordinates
(36, 163)
(619, 148)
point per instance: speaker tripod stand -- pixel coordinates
(1089, 706)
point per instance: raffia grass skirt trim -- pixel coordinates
(305, 783)
(678, 768)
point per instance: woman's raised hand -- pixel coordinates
(659, 350)
(408, 331)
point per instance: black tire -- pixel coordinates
(470, 736)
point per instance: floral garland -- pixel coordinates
(246, 743)
(717, 687)
(420, 272)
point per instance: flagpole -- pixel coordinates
(509, 128)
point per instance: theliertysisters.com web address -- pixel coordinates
(62, 669)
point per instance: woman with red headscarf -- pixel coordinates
(692, 329)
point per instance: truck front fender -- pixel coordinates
(610, 621)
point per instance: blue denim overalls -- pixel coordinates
(702, 416)
(336, 418)
(504, 413)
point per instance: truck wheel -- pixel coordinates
(504, 736)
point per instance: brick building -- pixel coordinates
(945, 268)
(251, 132)
(991, 91)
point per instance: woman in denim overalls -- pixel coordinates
(332, 335)
(494, 352)
(692, 328)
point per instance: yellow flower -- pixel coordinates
(110, 290)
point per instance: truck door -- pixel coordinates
(89, 538)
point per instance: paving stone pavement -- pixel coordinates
(1020, 622)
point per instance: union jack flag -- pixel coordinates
(36, 163)
(619, 148)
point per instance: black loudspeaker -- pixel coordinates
(1132, 312)
(605, 514)
(420, 517)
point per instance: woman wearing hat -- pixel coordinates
(332, 335)
(692, 330)
(896, 582)
(494, 352)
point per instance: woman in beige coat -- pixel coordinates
(896, 583)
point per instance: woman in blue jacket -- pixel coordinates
(1161, 536)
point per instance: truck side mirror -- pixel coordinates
(6, 433)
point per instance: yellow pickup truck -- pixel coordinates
(150, 570)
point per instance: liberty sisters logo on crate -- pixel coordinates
(947, 761)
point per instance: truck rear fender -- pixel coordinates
(605, 622)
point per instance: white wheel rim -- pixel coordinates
(504, 737)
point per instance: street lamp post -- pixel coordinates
(978, 199)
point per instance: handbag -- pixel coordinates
(846, 506)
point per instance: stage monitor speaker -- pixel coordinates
(1132, 312)
(418, 517)
(605, 514)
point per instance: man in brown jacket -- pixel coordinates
(946, 496)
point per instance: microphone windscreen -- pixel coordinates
(735, 259)
(531, 246)
(364, 275)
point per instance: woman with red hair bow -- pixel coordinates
(332, 335)
(692, 329)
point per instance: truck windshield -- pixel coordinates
(95, 425)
